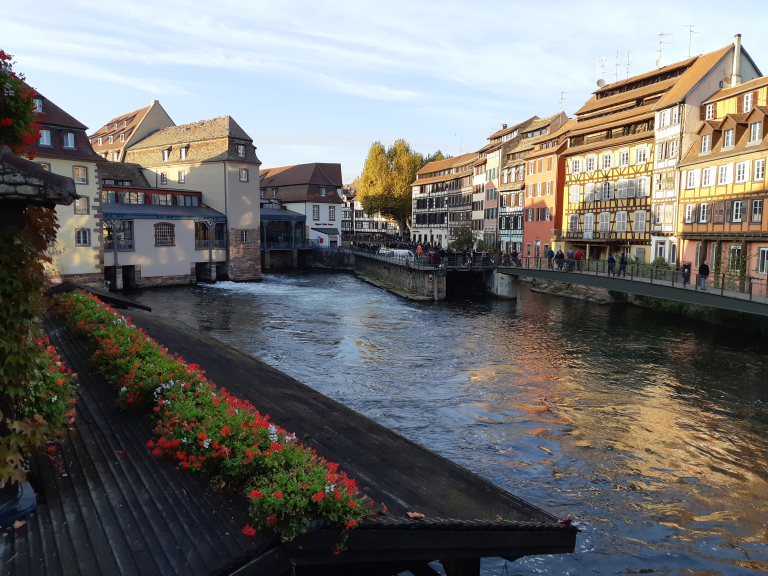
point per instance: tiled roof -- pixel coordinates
(540, 123)
(55, 116)
(741, 147)
(154, 211)
(612, 143)
(521, 126)
(131, 119)
(692, 76)
(629, 97)
(745, 87)
(614, 120)
(564, 129)
(443, 178)
(322, 174)
(447, 163)
(123, 171)
(214, 129)
(647, 75)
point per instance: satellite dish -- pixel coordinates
(660, 63)
(601, 83)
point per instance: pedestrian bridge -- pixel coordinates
(727, 291)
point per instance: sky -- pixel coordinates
(322, 81)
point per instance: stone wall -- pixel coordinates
(244, 262)
(425, 283)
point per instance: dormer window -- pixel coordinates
(748, 102)
(241, 150)
(99, 140)
(122, 137)
(322, 192)
(728, 138)
(166, 154)
(115, 126)
(709, 112)
(69, 140)
(125, 123)
(38, 103)
(114, 156)
(45, 138)
(706, 143)
(111, 139)
(754, 132)
(183, 153)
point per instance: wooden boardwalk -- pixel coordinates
(103, 512)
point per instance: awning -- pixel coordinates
(328, 231)
(160, 212)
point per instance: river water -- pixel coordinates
(651, 432)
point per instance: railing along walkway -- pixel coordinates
(648, 280)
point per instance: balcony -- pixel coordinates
(203, 243)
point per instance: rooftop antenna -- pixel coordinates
(562, 97)
(617, 66)
(660, 63)
(691, 32)
(628, 62)
(601, 71)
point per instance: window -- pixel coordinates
(274, 192)
(760, 169)
(122, 137)
(540, 166)
(691, 182)
(529, 215)
(164, 234)
(641, 156)
(689, 213)
(81, 205)
(724, 174)
(124, 236)
(322, 192)
(706, 143)
(69, 139)
(131, 197)
(111, 139)
(531, 167)
(608, 191)
(547, 214)
(747, 102)
(756, 214)
(187, 200)
(736, 211)
(315, 212)
(114, 156)
(728, 138)
(676, 115)
(244, 236)
(45, 138)
(589, 192)
(331, 212)
(82, 237)
(664, 119)
(181, 177)
(538, 188)
(520, 199)
(45, 166)
(549, 187)
(243, 174)
(575, 193)
(709, 112)
(80, 174)
(762, 261)
(241, 151)
(754, 132)
(705, 212)
(605, 222)
(624, 158)
(638, 225)
(573, 223)
(575, 166)
(742, 171)
(549, 163)
(163, 178)
(263, 193)
(38, 104)
(621, 221)
(530, 190)
(166, 155)
(673, 149)
(707, 176)
(162, 199)
(183, 153)
(621, 189)
(591, 164)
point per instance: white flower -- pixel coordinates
(124, 389)
(54, 399)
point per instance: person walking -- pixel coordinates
(550, 255)
(686, 273)
(569, 260)
(623, 265)
(703, 275)
(611, 265)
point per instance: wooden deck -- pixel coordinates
(102, 512)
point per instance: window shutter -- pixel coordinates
(728, 205)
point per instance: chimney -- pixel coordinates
(154, 102)
(735, 76)
(503, 126)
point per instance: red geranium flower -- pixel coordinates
(255, 494)
(317, 497)
(249, 530)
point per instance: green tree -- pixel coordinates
(436, 157)
(385, 185)
(464, 238)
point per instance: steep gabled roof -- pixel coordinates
(125, 171)
(521, 126)
(692, 76)
(214, 129)
(321, 174)
(55, 116)
(745, 87)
